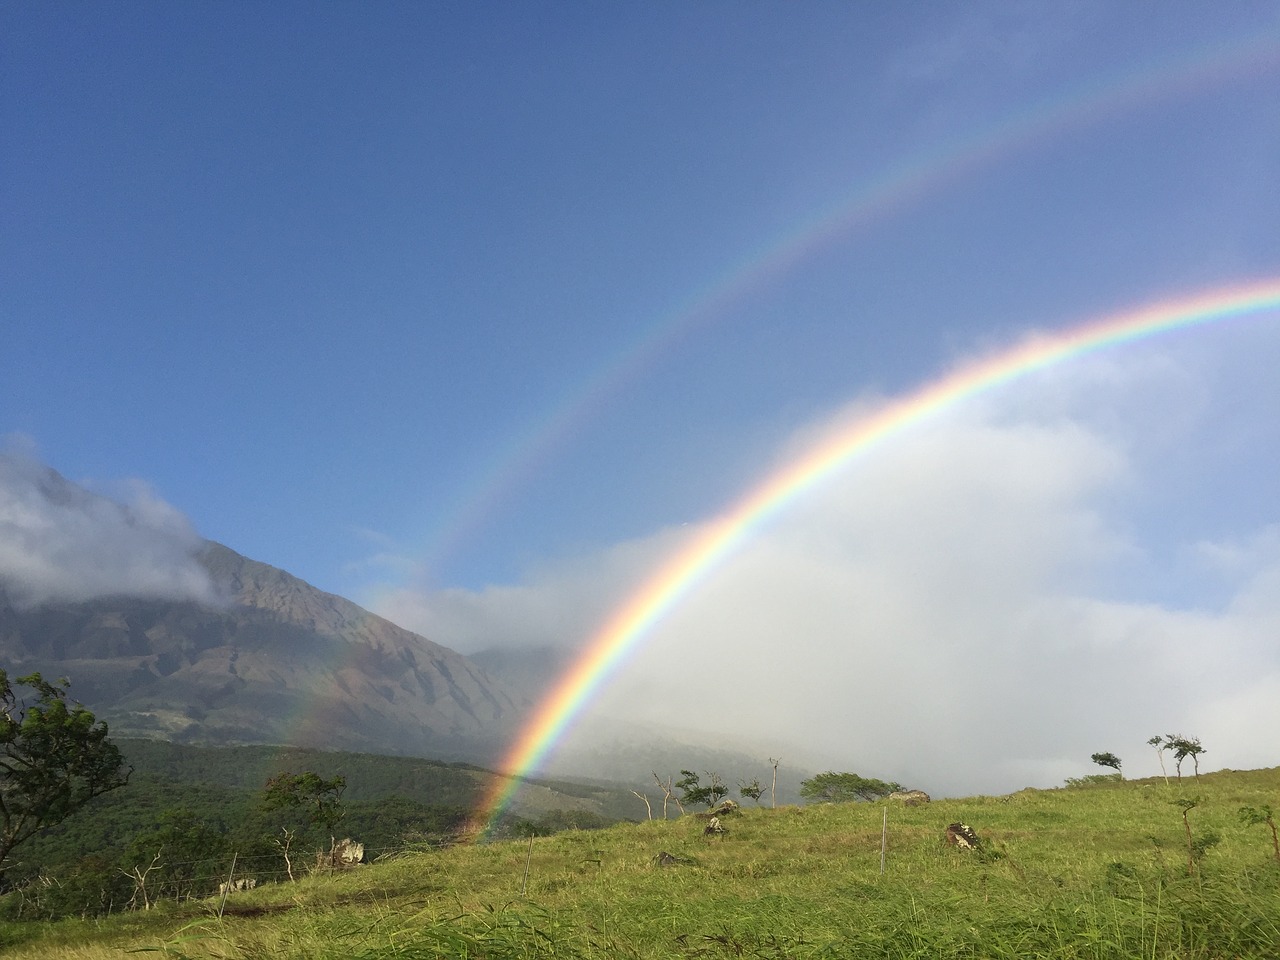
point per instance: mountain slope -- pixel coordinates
(274, 660)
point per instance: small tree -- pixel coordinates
(1107, 760)
(317, 799)
(1257, 816)
(54, 758)
(667, 795)
(831, 787)
(185, 852)
(753, 790)
(645, 797)
(1158, 742)
(284, 842)
(1182, 748)
(694, 791)
(1196, 847)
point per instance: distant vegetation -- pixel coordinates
(189, 812)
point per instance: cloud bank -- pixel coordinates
(977, 606)
(61, 543)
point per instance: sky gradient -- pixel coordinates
(476, 314)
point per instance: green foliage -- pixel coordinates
(188, 855)
(751, 790)
(1262, 816)
(187, 796)
(369, 776)
(1092, 779)
(832, 787)
(693, 790)
(1107, 760)
(317, 799)
(1197, 847)
(54, 758)
(1182, 748)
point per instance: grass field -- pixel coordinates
(1099, 871)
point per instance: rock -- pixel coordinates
(910, 798)
(961, 835)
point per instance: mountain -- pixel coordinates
(532, 672)
(270, 660)
(170, 637)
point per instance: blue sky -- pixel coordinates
(466, 310)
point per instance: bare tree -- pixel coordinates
(139, 878)
(1158, 742)
(284, 846)
(668, 794)
(645, 798)
(773, 788)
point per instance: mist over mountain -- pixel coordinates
(166, 635)
(270, 660)
(62, 543)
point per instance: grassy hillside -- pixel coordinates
(1088, 872)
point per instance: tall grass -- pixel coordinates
(1098, 871)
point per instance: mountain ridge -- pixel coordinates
(273, 659)
(168, 636)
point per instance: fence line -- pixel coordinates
(199, 886)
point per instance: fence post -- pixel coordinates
(884, 838)
(226, 887)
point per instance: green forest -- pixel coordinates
(192, 817)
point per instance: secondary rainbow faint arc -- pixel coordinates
(911, 178)
(697, 560)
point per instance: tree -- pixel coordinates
(185, 851)
(753, 790)
(1259, 816)
(1107, 760)
(831, 787)
(645, 797)
(1182, 748)
(1158, 742)
(694, 791)
(773, 789)
(1197, 847)
(54, 758)
(666, 788)
(319, 800)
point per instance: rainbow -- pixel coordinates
(865, 202)
(696, 561)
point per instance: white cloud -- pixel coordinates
(59, 542)
(555, 605)
(965, 609)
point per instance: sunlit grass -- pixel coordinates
(1095, 872)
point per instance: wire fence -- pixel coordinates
(109, 889)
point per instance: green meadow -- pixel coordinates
(1096, 871)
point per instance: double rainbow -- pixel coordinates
(909, 180)
(696, 561)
